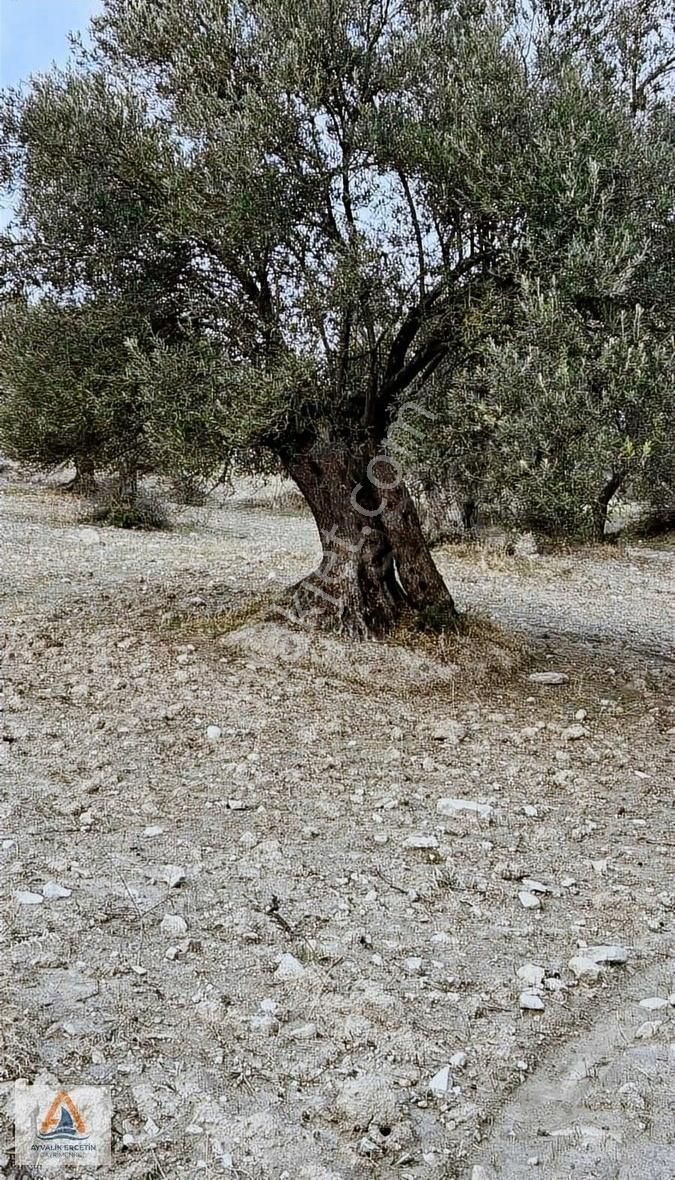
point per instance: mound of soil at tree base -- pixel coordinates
(380, 664)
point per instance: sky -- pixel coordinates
(34, 33)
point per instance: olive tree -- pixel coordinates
(343, 184)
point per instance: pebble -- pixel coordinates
(531, 1002)
(648, 1030)
(574, 733)
(420, 841)
(151, 830)
(289, 968)
(53, 891)
(213, 732)
(654, 1003)
(173, 875)
(583, 967)
(535, 886)
(607, 954)
(303, 1032)
(441, 1084)
(548, 678)
(531, 974)
(459, 1060)
(413, 965)
(174, 925)
(449, 731)
(530, 901)
(25, 897)
(451, 807)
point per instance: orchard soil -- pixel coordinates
(171, 750)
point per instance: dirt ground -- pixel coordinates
(275, 936)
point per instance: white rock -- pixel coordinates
(459, 1060)
(574, 733)
(531, 1002)
(480, 1173)
(25, 897)
(449, 731)
(264, 1022)
(529, 900)
(612, 954)
(213, 732)
(530, 811)
(89, 536)
(648, 1030)
(535, 886)
(583, 967)
(173, 925)
(303, 1032)
(289, 968)
(580, 715)
(418, 840)
(441, 1083)
(654, 1003)
(452, 807)
(413, 965)
(151, 830)
(174, 875)
(53, 891)
(531, 974)
(548, 678)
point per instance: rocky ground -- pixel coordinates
(324, 912)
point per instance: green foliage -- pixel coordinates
(262, 226)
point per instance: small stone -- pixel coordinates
(213, 732)
(173, 925)
(303, 1032)
(530, 901)
(418, 840)
(453, 732)
(451, 807)
(574, 733)
(531, 974)
(151, 830)
(548, 678)
(580, 715)
(264, 1022)
(607, 954)
(648, 1030)
(413, 965)
(459, 1060)
(530, 811)
(441, 1084)
(654, 1003)
(25, 897)
(531, 1002)
(53, 891)
(480, 1173)
(289, 968)
(583, 967)
(89, 536)
(174, 875)
(535, 886)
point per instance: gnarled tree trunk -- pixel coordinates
(600, 508)
(376, 564)
(84, 483)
